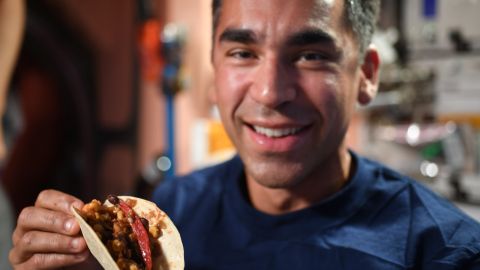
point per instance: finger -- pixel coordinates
(52, 261)
(42, 242)
(57, 201)
(39, 219)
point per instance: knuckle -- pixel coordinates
(56, 221)
(25, 215)
(52, 220)
(43, 195)
(51, 261)
(12, 257)
(28, 239)
(39, 260)
(57, 241)
(15, 236)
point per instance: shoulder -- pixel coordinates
(431, 225)
(443, 228)
(424, 204)
(444, 234)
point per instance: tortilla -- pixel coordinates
(171, 257)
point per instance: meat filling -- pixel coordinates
(113, 228)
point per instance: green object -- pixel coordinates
(432, 150)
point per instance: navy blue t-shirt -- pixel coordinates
(379, 220)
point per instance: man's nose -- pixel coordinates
(273, 83)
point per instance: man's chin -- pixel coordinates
(275, 176)
(277, 183)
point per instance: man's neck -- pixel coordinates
(314, 188)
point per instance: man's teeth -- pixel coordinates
(275, 132)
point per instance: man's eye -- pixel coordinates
(313, 56)
(241, 54)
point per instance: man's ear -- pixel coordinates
(369, 78)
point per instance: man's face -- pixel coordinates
(287, 81)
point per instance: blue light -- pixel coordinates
(430, 8)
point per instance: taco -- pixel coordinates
(130, 233)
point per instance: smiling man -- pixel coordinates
(288, 76)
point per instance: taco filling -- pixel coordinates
(130, 239)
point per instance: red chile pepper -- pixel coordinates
(138, 229)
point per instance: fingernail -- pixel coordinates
(69, 224)
(76, 243)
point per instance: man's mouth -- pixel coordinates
(276, 132)
(277, 138)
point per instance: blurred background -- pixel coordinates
(111, 96)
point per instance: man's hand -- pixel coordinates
(47, 236)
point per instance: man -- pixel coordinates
(288, 75)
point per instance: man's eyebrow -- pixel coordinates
(244, 36)
(311, 36)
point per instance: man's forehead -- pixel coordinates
(328, 3)
(288, 15)
(317, 3)
(312, 10)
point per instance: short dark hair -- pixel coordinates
(361, 14)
